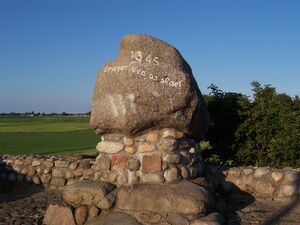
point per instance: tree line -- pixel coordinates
(262, 130)
(35, 114)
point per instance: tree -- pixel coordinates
(270, 132)
(224, 110)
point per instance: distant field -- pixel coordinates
(46, 135)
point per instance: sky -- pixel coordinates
(52, 50)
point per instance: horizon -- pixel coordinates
(51, 52)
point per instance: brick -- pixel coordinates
(118, 162)
(151, 164)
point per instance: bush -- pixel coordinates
(224, 110)
(262, 131)
(269, 135)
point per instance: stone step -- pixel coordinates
(182, 198)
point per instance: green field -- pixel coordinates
(46, 135)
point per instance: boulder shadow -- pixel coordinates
(284, 211)
(12, 189)
(229, 193)
(237, 200)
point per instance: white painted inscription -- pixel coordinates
(118, 102)
(132, 104)
(140, 58)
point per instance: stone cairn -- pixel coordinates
(150, 114)
(154, 157)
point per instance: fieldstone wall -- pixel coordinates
(260, 181)
(50, 171)
(56, 172)
(157, 157)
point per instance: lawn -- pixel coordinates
(46, 135)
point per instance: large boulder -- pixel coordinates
(182, 198)
(88, 192)
(114, 219)
(149, 85)
(58, 215)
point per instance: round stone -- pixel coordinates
(81, 214)
(49, 163)
(45, 178)
(152, 137)
(93, 212)
(109, 147)
(247, 171)
(152, 178)
(133, 178)
(169, 133)
(146, 148)
(128, 141)
(184, 172)
(291, 176)
(277, 176)
(73, 165)
(36, 180)
(130, 150)
(171, 158)
(172, 174)
(122, 179)
(166, 144)
(133, 164)
(259, 172)
(289, 190)
(69, 174)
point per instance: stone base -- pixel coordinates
(184, 198)
(96, 202)
(156, 157)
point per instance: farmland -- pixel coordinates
(46, 135)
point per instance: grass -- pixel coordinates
(46, 135)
